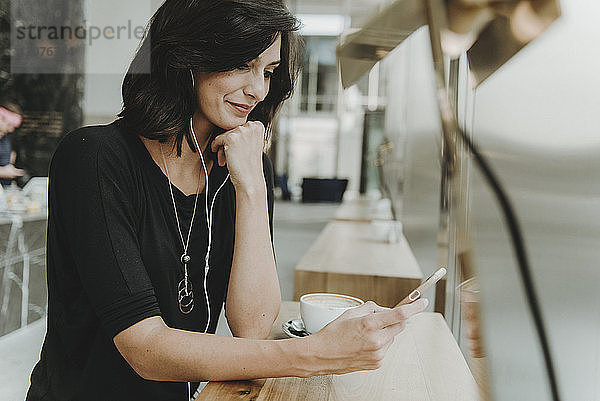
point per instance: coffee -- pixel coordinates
(332, 302)
(318, 309)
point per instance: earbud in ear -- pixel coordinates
(193, 80)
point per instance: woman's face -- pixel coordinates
(226, 98)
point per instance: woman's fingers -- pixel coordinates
(241, 149)
(385, 324)
(374, 317)
(219, 145)
(218, 142)
(232, 136)
(393, 316)
(378, 317)
(221, 157)
(367, 308)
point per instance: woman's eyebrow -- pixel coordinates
(275, 63)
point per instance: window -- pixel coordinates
(319, 80)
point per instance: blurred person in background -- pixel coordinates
(10, 119)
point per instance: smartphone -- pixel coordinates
(424, 286)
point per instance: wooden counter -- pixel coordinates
(345, 259)
(423, 364)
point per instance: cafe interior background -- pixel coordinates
(378, 141)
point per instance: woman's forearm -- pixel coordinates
(178, 355)
(357, 340)
(253, 296)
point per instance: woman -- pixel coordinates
(148, 234)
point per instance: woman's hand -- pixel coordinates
(359, 339)
(241, 149)
(10, 171)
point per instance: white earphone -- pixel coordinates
(209, 213)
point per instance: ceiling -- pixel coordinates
(359, 10)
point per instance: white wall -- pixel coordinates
(107, 60)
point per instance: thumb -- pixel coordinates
(222, 159)
(218, 142)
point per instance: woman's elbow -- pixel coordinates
(258, 329)
(140, 363)
(143, 370)
(252, 333)
(255, 322)
(137, 345)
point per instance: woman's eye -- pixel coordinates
(269, 74)
(244, 67)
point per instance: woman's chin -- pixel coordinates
(231, 124)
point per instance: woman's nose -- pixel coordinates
(257, 87)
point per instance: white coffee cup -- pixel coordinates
(319, 309)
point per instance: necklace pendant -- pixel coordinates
(185, 296)
(185, 259)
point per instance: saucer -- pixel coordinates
(290, 328)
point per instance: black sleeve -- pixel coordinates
(95, 203)
(270, 179)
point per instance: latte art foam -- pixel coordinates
(330, 302)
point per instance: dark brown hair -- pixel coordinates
(204, 36)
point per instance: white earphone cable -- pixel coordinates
(209, 215)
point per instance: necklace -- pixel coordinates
(185, 294)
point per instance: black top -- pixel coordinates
(113, 259)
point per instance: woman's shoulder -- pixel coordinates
(93, 138)
(101, 143)
(91, 152)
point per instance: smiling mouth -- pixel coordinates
(241, 108)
